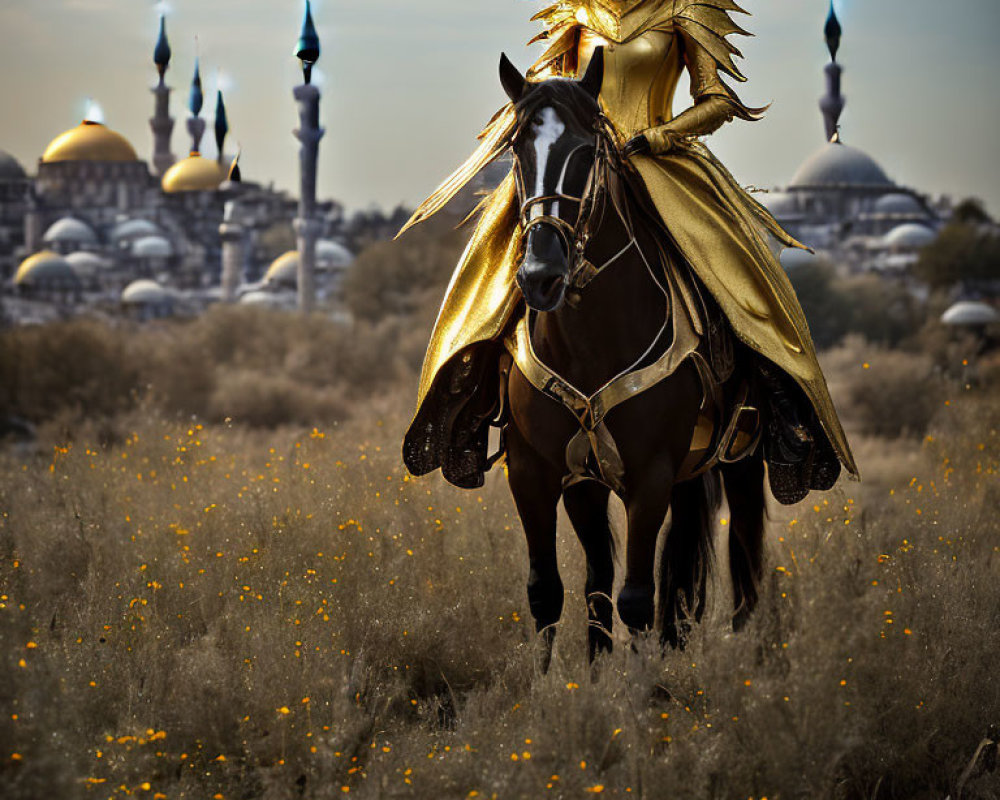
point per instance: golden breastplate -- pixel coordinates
(640, 77)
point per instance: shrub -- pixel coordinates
(883, 392)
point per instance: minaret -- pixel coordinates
(221, 126)
(233, 238)
(32, 224)
(832, 103)
(195, 124)
(309, 132)
(162, 124)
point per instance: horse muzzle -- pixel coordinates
(542, 283)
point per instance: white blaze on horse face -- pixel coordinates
(548, 129)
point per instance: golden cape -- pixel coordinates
(722, 232)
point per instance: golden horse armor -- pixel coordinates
(723, 233)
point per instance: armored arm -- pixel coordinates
(715, 103)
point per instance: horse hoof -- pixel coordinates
(635, 607)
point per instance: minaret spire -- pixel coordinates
(221, 124)
(162, 125)
(832, 103)
(309, 132)
(195, 124)
(161, 54)
(307, 47)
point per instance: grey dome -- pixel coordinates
(899, 204)
(152, 247)
(794, 258)
(840, 165)
(970, 313)
(86, 264)
(331, 254)
(263, 299)
(911, 236)
(146, 292)
(10, 169)
(780, 204)
(70, 230)
(134, 229)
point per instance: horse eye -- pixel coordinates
(537, 120)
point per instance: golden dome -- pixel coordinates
(284, 269)
(89, 141)
(43, 267)
(193, 174)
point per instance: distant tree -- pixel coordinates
(971, 211)
(966, 251)
(880, 310)
(827, 310)
(405, 276)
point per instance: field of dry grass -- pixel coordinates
(196, 608)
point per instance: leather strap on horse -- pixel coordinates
(590, 411)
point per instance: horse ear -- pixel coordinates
(594, 76)
(511, 79)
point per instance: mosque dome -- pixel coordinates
(911, 236)
(262, 299)
(794, 258)
(131, 229)
(89, 141)
(45, 269)
(899, 204)
(152, 247)
(86, 264)
(10, 169)
(146, 292)
(284, 270)
(780, 204)
(838, 164)
(331, 254)
(193, 174)
(70, 230)
(971, 314)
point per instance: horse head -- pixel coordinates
(555, 149)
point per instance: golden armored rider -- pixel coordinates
(722, 234)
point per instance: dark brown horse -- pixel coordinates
(588, 333)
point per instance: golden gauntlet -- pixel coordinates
(705, 117)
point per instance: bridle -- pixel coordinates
(592, 204)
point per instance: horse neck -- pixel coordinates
(616, 319)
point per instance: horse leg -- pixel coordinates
(536, 488)
(587, 506)
(646, 507)
(748, 511)
(687, 557)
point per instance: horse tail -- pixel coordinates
(744, 482)
(687, 555)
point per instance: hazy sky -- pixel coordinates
(408, 84)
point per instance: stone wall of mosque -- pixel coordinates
(100, 187)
